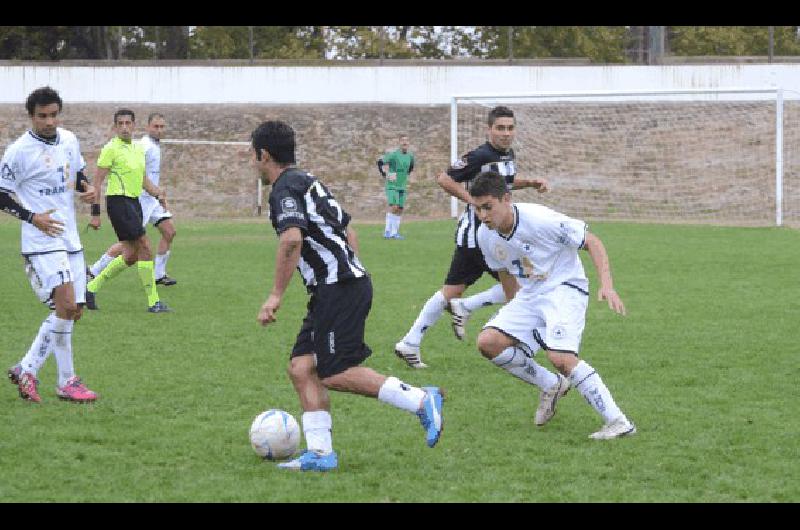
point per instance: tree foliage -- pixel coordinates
(599, 44)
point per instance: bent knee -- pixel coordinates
(298, 369)
(488, 344)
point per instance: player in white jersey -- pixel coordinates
(467, 264)
(152, 211)
(43, 169)
(535, 251)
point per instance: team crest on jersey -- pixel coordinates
(500, 252)
(48, 161)
(559, 332)
(288, 204)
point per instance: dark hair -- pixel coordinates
(42, 96)
(488, 183)
(124, 112)
(152, 116)
(499, 112)
(277, 138)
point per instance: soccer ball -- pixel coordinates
(275, 434)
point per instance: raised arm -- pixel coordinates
(456, 189)
(539, 185)
(597, 251)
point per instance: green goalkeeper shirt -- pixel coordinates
(401, 164)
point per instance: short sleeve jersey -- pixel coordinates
(152, 158)
(42, 174)
(125, 162)
(400, 163)
(298, 199)
(483, 158)
(541, 250)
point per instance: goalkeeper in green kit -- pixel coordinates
(400, 164)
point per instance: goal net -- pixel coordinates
(723, 156)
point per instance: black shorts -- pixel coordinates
(333, 328)
(125, 214)
(467, 267)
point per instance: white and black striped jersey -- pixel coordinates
(483, 158)
(42, 173)
(298, 199)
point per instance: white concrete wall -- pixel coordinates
(382, 84)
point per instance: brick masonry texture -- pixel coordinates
(679, 162)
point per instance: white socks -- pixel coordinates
(400, 395)
(388, 230)
(317, 430)
(491, 296)
(514, 361)
(392, 224)
(587, 381)
(61, 342)
(430, 314)
(40, 348)
(161, 265)
(101, 264)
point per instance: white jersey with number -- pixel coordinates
(152, 158)
(541, 251)
(42, 173)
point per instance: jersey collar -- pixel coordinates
(513, 228)
(47, 141)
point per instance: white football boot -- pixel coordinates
(616, 428)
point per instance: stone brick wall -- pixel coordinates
(338, 143)
(664, 163)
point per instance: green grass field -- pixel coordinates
(706, 363)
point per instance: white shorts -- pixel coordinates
(48, 271)
(553, 320)
(152, 211)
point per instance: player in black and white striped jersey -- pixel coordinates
(468, 265)
(317, 239)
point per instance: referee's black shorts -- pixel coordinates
(125, 214)
(467, 266)
(333, 328)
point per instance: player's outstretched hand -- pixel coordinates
(94, 222)
(47, 224)
(614, 301)
(541, 185)
(268, 310)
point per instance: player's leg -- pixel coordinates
(465, 269)
(507, 341)
(390, 200)
(339, 327)
(68, 311)
(106, 258)
(128, 227)
(397, 212)
(146, 269)
(316, 420)
(167, 229)
(42, 280)
(565, 315)
(461, 309)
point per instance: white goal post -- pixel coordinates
(640, 154)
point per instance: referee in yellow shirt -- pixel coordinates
(123, 162)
